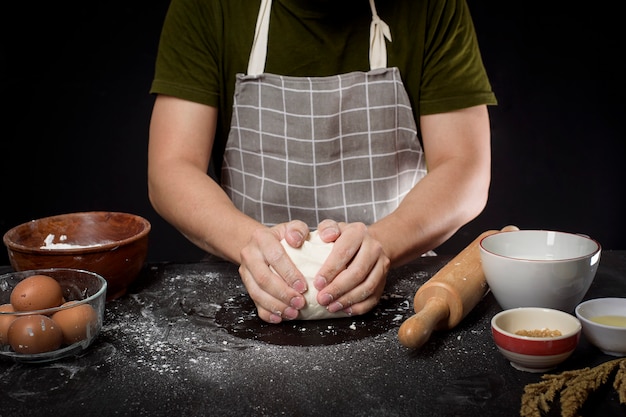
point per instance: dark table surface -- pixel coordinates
(185, 341)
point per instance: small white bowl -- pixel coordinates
(608, 335)
(539, 268)
(534, 353)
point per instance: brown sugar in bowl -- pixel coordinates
(112, 244)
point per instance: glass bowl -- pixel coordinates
(78, 317)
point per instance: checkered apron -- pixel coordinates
(341, 147)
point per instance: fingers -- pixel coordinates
(270, 277)
(328, 230)
(354, 276)
(295, 233)
(343, 295)
(271, 308)
(344, 250)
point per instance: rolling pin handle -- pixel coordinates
(416, 330)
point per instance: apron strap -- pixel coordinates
(379, 30)
(256, 63)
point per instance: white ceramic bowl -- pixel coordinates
(533, 353)
(604, 324)
(539, 268)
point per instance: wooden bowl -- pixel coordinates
(112, 244)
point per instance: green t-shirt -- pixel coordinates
(205, 43)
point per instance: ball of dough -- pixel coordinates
(309, 259)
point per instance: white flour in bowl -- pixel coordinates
(48, 243)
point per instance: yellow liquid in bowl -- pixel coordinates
(610, 320)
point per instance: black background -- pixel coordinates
(76, 110)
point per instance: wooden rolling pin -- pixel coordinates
(446, 298)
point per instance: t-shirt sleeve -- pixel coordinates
(186, 65)
(454, 76)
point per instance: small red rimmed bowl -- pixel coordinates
(535, 339)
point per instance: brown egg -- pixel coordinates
(77, 323)
(34, 334)
(36, 292)
(5, 322)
